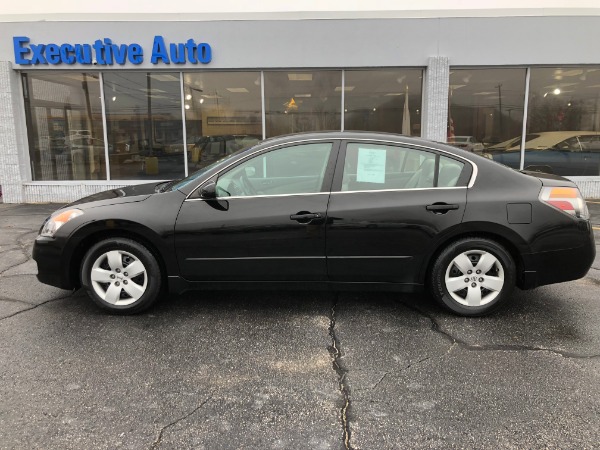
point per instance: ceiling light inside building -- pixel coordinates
(300, 76)
(346, 88)
(238, 90)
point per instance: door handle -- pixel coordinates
(440, 208)
(305, 217)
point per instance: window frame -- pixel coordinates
(327, 175)
(465, 180)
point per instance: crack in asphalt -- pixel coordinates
(12, 300)
(399, 371)
(22, 247)
(336, 355)
(158, 440)
(454, 341)
(34, 306)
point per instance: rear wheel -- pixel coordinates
(473, 277)
(121, 276)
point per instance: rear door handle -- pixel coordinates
(440, 208)
(305, 217)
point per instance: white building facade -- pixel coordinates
(94, 102)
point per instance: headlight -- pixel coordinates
(55, 222)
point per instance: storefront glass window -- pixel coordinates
(145, 130)
(563, 125)
(383, 100)
(297, 101)
(64, 126)
(223, 114)
(485, 112)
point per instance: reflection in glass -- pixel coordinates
(299, 169)
(383, 100)
(222, 115)
(302, 101)
(64, 126)
(563, 122)
(143, 115)
(486, 110)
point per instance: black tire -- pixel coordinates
(474, 249)
(130, 251)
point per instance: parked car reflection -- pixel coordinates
(574, 153)
(469, 143)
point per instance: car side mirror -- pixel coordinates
(209, 191)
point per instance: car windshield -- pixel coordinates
(178, 184)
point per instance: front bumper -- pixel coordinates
(52, 269)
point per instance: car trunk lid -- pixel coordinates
(548, 179)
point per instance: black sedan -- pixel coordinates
(336, 210)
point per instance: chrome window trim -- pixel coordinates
(399, 190)
(301, 194)
(258, 151)
(321, 193)
(473, 165)
(470, 185)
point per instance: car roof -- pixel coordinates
(362, 135)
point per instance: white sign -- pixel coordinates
(371, 165)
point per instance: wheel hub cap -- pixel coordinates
(119, 278)
(473, 290)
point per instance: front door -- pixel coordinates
(267, 223)
(388, 205)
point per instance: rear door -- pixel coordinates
(389, 204)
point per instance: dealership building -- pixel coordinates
(91, 102)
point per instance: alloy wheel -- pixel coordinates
(118, 277)
(474, 278)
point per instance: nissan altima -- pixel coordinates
(331, 210)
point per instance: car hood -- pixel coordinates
(127, 194)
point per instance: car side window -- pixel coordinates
(382, 167)
(590, 143)
(569, 145)
(449, 172)
(299, 169)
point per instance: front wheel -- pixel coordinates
(473, 277)
(121, 276)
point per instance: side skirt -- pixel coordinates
(178, 285)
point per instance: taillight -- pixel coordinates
(567, 199)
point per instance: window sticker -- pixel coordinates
(371, 165)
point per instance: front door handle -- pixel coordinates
(305, 217)
(440, 208)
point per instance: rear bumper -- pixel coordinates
(557, 266)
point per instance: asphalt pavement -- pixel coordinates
(271, 370)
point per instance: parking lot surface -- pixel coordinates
(264, 369)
